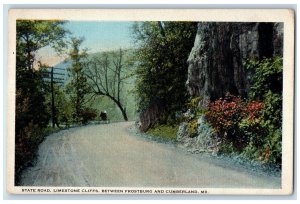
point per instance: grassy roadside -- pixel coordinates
(164, 132)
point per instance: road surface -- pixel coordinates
(109, 155)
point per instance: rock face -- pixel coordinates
(216, 62)
(217, 66)
(206, 140)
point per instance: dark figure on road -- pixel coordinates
(103, 116)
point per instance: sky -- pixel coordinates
(101, 36)
(98, 36)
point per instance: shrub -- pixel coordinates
(31, 119)
(250, 128)
(254, 127)
(267, 87)
(236, 122)
(193, 105)
(192, 127)
(253, 131)
(195, 110)
(87, 115)
(253, 110)
(164, 132)
(267, 77)
(272, 147)
(251, 125)
(26, 145)
(224, 115)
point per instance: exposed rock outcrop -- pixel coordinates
(216, 62)
(217, 66)
(206, 140)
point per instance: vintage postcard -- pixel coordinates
(150, 101)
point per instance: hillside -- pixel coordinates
(101, 103)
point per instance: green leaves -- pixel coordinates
(32, 116)
(259, 129)
(163, 49)
(35, 34)
(267, 86)
(267, 77)
(77, 87)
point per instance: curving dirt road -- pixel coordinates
(108, 155)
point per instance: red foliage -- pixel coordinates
(254, 109)
(226, 113)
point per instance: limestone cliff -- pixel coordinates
(216, 65)
(216, 62)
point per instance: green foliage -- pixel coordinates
(31, 112)
(265, 132)
(163, 49)
(195, 111)
(228, 147)
(88, 114)
(31, 36)
(267, 86)
(27, 140)
(194, 103)
(193, 127)
(273, 146)
(30, 101)
(267, 77)
(63, 107)
(77, 87)
(194, 106)
(164, 132)
(253, 128)
(106, 75)
(101, 103)
(273, 109)
(35, 34)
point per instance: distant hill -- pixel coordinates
(102, 103)
(62, 68)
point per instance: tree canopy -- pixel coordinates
(31, 111)
(163, 49)
(77, 87)
(106, 75)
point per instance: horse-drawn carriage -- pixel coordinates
(103, 116)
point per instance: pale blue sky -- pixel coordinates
(98, 36)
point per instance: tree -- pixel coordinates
(63, 105)
(31, 114)
(77, 87)
(106, 77)
(163, 49)
(31, 36)
(35, 34)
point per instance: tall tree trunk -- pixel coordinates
(122, 109)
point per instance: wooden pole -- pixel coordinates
(52, 99)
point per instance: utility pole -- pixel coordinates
(53, 80)
(54, 121)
